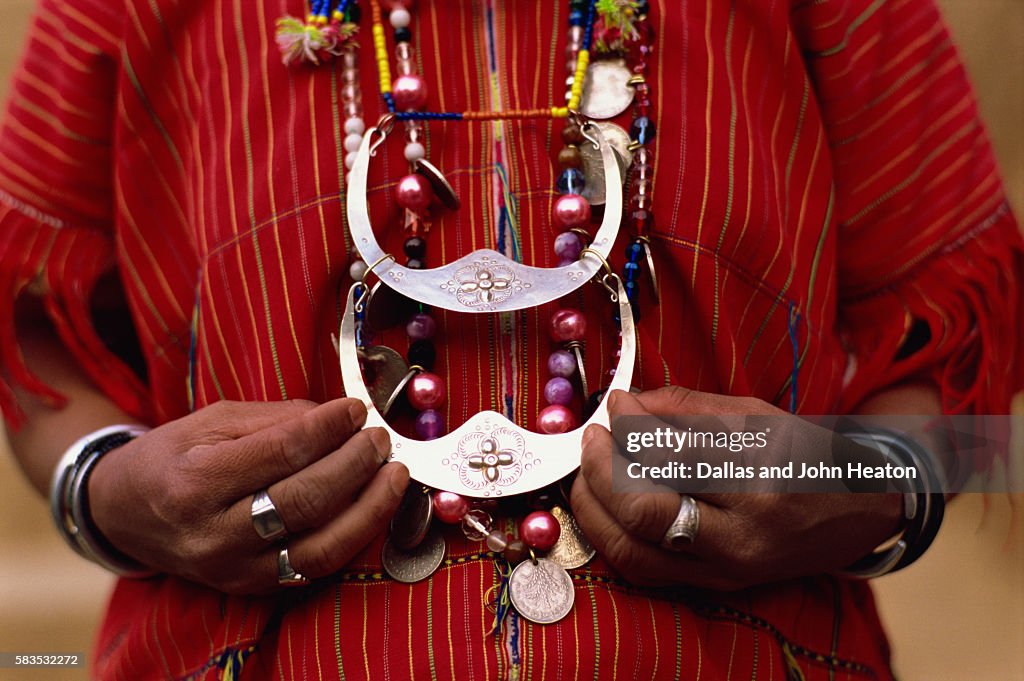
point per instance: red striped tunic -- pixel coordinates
(822, 181)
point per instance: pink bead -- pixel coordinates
(426, 391)
(568, 325)
(449, 507)
(571, 210)
(568, 246)
(410, 92)
(414, 193)
(421, 326)
(555, 419)
(540, 530)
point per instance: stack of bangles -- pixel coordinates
(923, 503)
(69, 499)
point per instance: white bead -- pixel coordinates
(355, 126)
(350, 159)
(352, 142)
(357, 269)
(400, 17)
(414, 151)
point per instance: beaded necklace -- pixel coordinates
(618, 25)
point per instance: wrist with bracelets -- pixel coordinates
(923, 503)
(69, 499)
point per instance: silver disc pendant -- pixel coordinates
(416, 565)
(541, 591)
(411, 522)
(572, 550)
(443, 189)
(606, 92)
(384, 370)
(593, 166)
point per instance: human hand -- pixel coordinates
(178, 499)
(743, 538)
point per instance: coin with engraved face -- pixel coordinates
(593, 164)
(416, 565)
(606, 92)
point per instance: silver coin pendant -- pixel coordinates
(416, 565)
(541, 591)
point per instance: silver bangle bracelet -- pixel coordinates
(69, 499)
(922, 504)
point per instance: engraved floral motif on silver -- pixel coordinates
(491, 459)
(484, 283)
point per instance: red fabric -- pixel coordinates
(815, 161)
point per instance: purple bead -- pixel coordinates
(568, 246)
(565, 262)
(421, 326)
(429, 425)
(558, 391)
(561, 363)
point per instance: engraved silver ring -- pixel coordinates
(683, 529)
(265, 517)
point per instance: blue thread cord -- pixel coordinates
(502, 602)
(794, 321)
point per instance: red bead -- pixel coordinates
(568, 325)
(555, 419)
(414, 193)
(572, 135)
(449, 507)
(540, 530)
(571, 210)
(426, 391)
(410, 92)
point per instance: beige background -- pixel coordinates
(957, 615)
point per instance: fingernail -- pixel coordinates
(382, 442)
(588, 435)
(614, 399)
(357, 412)
(399, 480)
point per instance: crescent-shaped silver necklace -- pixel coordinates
(484, 280)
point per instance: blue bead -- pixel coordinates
(634, 250)
(571, 181)
(642, 130)
(575, 18)
(632, 267)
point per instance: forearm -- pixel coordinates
(41, 441)
(915, 399)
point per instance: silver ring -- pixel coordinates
(683, 529)
(286, 574)
(265, 517)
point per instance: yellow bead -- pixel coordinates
(338, 16)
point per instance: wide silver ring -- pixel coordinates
(265, 517)
(683, 529)
(286, 574)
